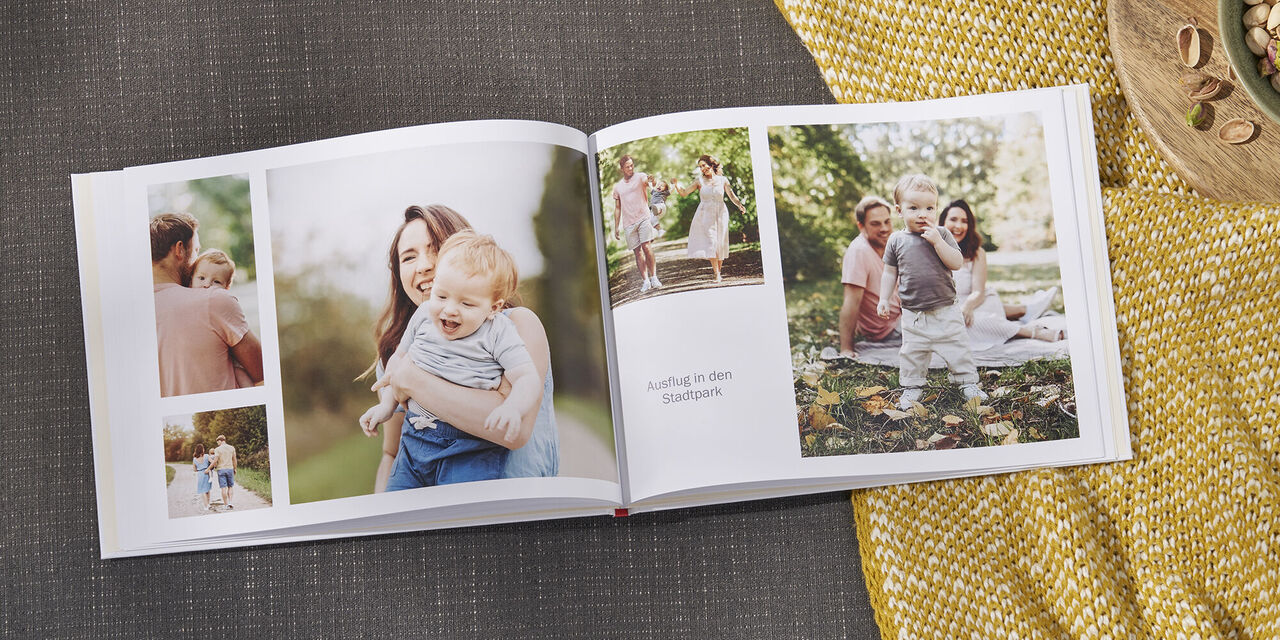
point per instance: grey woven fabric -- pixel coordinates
(93, 86)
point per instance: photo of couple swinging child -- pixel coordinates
(923, 286)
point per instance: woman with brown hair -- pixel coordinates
(411, 261)
(709, 230)
(985, 316)
(200, 464)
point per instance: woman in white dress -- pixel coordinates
(987, 319)
(709, 230)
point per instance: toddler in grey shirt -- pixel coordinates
(460, 334)
(918, 263)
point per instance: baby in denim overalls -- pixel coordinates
(460, 334)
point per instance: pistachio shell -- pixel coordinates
(1189, 45)
(1257, 39)
(1236, 131)
(1193, 80)
(1253, 2)
(1256, 16)
(1206, 91)
(1273, 18)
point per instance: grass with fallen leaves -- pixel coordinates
(846, 407)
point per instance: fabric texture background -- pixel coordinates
(88, 86)
(1184, 540)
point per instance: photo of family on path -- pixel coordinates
(663, 241)
(206, 294)
(439, 319)
(922, 283)
(217, 461)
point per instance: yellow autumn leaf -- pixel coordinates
(952, 421)
(1012, 438)
(809, 440)
(876, 405)
(819, 418)
(811, 376)
(919, 410)
(827, 397)
(897, 415)
(863, 392)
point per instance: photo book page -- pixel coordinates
(753, 358)
(232, 376)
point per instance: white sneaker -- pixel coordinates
(654, 280)
(659, 232)
(1038, 304)
(972, 391)
(909, 397)
(645, 286)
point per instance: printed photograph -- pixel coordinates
(680, 214)
(461, 281)
(217, 461)
(205, 283)
(923, 287)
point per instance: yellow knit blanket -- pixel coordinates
(1184, 540)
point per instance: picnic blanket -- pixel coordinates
(1012, 353)
(1184, 540)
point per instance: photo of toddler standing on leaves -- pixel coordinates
(918, 264)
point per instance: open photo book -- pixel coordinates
(484, 322)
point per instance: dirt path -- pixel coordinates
(582, 454)
(678, 272)
(184, 501)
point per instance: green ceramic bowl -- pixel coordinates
(1231, 30)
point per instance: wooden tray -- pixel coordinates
(1144, 48)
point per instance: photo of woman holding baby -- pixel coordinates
(473, 312)
(412, 456)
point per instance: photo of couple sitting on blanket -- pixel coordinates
(661, 240)
(925, 332)
(439, 321)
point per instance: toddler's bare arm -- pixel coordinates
(526, 393)
(888, 284)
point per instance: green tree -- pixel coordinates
(177, 443)
(567, 294)
(245, 429)
(818, 178)
(676, 156)
(1021, 214)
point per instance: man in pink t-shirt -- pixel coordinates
(200, 333)
(863, 266)
(631, 215)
